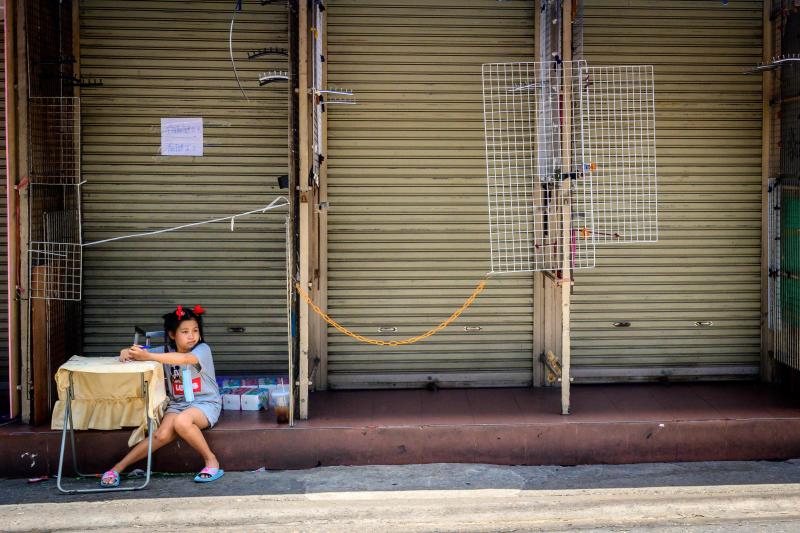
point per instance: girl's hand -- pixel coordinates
(138, 353)
(124, 355)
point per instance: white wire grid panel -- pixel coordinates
(55, 271)
(620, 147)
(54, 229)
(534, 179)
(54, 140)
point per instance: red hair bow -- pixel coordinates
(179, 312)
(198, 310)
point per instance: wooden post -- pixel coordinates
(566, 207)
(306, 203)
(537, 379)
(767, 339)
(547, 291)
(20, 100)
(322, 332)
(12, 227)
(40, 357)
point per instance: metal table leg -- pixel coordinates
(68, 420)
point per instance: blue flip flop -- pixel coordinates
(214, 473)
(114, 475)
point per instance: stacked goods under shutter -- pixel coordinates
(170, 59)
(693, 298)
(408, 223)
(4, 355)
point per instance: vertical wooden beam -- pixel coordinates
(12, 178)
(566, 207)
(40, 358)
(537, 379)
(313, 198)
(316, 324)
(21, 155)
(322, 332)
(547, 305)
(306, 203)
(767, 340)
(291, 219)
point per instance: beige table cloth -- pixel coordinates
(108, 394)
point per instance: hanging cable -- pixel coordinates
(236, 8)
(273, 205)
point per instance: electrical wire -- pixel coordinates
(264, 209)
(237, 6)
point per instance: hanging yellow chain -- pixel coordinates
(402, 342)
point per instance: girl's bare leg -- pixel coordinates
(188, 426)
(163, 436)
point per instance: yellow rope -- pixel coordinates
(379, 342)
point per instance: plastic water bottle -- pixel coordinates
(186, 377)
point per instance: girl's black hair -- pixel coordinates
(172, 323)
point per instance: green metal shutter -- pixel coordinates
(693, 298)
(408, 224)
(170, 59)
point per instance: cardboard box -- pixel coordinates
(232, 398)
(250, 381)
(255, 399)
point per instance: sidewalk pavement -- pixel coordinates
(721, 496)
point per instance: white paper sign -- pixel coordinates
(182, 136)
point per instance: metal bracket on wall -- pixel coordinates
(270, 77)
(82, 82)
(334, 96)
(271, 51)
(775, 63)
(63, 60)
(552, 366)
(75, 81)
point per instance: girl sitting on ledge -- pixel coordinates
(184, 419)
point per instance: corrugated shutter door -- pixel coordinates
(170, 59)
(4, 356)
(408, 223)
(692, 298)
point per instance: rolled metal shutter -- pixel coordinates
(693, 298)
(408, 224)
(170, 59)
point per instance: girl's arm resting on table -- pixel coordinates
(173, 358)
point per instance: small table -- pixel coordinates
(97, 393)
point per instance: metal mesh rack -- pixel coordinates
(55, 271)
(565, 141)
(620, 146)
(54, 145)
(54, 266)
(529, 166)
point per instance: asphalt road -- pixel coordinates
(714, 497)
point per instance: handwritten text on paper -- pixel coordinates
(182, 136)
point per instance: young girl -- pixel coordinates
(184, 330)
